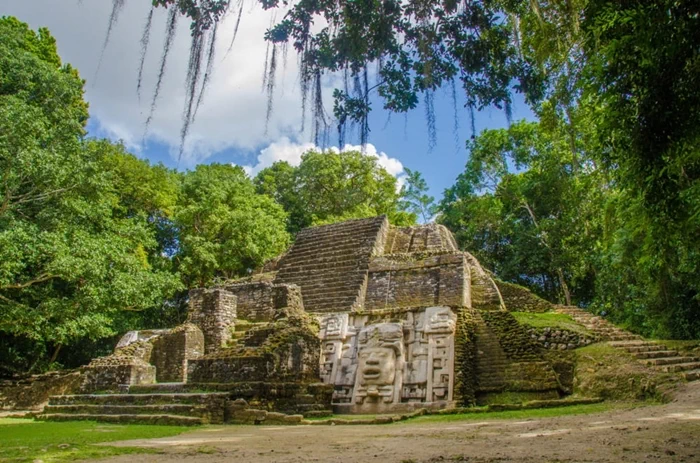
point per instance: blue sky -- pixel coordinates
(231, 125)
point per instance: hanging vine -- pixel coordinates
(117, 7)
(145, 39)
(417, 47)
(170, 29)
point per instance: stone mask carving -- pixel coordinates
(381, 351)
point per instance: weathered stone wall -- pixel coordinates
(214, 312)
(560, 339)
(466, 357)
(329, 263)
(406, 280)
(171, 352)
(520, 299)
(422, 238)
(484, 292)
(33, 392)
(285, 350)
(510, 360)
(254, 301)
(115, 377)
(230, 370)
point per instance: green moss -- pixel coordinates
(685, 347)
(466, 357)
(611, 373)
(550, 320)
(512, 336)
(27, 440)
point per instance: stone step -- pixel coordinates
(622, 337)
(321, 299)
(137, 399)
(317, 292)
(652, 347)
(304, 408)
(327, 280)
(305, 399)
(656, 354)
(345, 244)
(340, 240)
(692, 375)
(162, 409)
(317, 259)
(136, 419)
(680, 367)
(318, 413)
(669, 360)
(635, 343)
(330, 231)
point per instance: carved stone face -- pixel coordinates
(377, 366)
(381, 346)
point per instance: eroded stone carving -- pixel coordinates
(377, 365)
(380, 364)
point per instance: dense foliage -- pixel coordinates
(596, 203)
(95, 242)
(333, 186)
(71, 255)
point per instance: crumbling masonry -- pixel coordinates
(357, 317)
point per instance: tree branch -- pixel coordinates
(39, 279)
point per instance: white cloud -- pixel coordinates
(286, 150)
(282, 150)
(234, 109)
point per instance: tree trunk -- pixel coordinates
(55, 353)
(564, 286)
(543, 239)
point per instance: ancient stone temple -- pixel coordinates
(357, 317)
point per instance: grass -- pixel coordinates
(481, 415)
(24, 440)
(527, 414)
(685, 347)
(549, 320)
(613, 374)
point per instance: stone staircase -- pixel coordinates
(330, 263)
(605, 330)
(652, 354)
(166, 409)
(491, 361)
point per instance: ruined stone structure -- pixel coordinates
(357, 317)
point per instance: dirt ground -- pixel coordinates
(667, 433)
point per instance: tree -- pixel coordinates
(527, 207)
(415, 198)
(225, 228)
(333, 186)
(69, 261)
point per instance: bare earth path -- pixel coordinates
(668, 433)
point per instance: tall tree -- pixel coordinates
(333, 186)
(527, 207)
(225, 228)
(415, 198)
(68, 261)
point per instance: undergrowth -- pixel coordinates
(27, 440)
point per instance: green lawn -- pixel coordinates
(549, 319)
(526, 414)
(480, 413)
(27, 440)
